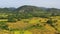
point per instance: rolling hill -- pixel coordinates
(30, 20)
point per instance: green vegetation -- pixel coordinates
(30, 18)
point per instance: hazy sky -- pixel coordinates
(40, 3)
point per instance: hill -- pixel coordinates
(27, 11)
(29, 20)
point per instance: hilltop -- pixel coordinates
(32, 11)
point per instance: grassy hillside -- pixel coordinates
(29, 20)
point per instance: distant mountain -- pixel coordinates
(7, 10)
(27, 10)
(12, 8)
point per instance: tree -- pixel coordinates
(3, 25)
(11, 18)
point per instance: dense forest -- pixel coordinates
(29, 20)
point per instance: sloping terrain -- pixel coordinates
(30, 20)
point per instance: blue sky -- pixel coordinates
(40, 3)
